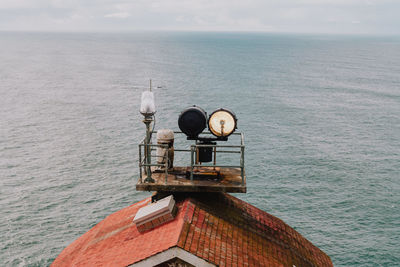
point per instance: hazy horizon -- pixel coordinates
(360, 17)
(124, 32)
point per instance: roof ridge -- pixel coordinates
(186, 220)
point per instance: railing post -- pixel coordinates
(140, 163)
(191, 162)
(166, 166)
(242, 163)
(215, 156)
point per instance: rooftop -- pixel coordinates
(215, 228)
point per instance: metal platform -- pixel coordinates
(155, 173)
(205, 179)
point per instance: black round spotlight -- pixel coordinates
(192, 121)
(222, 122)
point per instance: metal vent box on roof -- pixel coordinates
(155, 214)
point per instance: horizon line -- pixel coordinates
(198, 31)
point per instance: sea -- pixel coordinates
(320, 115)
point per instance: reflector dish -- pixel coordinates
(222, 122)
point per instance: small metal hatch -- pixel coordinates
(155, 214)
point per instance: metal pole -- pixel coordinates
(147, 120)
(242, 163)
(166, 167)
(140, 164)
(197, 154)
(215, 157)
(191, 162)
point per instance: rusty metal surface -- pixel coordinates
(211, 180)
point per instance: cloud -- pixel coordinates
(120, 15)
(330, 16)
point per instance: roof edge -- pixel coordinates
(173, 252)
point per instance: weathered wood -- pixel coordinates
(206, 179)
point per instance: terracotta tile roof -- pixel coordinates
(218, 228)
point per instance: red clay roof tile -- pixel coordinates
(218, 228)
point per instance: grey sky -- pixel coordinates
(309, 16)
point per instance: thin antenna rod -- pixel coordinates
(150, 85)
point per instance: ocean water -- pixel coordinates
(321, 116)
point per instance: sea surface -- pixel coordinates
(320, 113)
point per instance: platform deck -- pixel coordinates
(227, 180)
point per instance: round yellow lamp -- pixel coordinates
(222, 122)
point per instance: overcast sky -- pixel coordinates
(302, 16)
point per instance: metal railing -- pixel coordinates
(145, 165)
(142, 162)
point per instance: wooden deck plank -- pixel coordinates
(229, 180)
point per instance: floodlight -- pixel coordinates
(192, 121)
(222, 122)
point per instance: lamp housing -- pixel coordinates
(192, 121)
(222, 122)
(147, 105)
